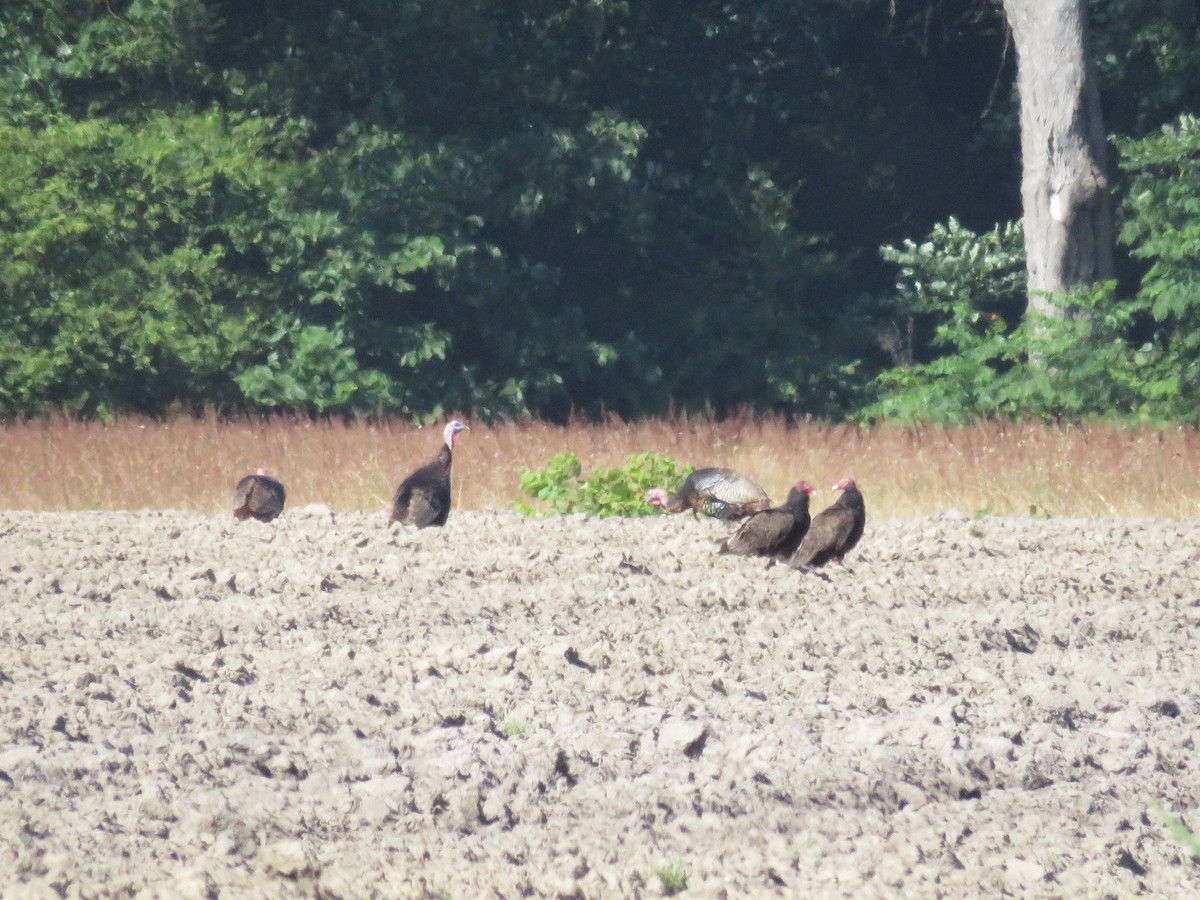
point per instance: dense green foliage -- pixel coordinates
(1128, 352)
(1162, 230)
(561, 489)
(564, 207)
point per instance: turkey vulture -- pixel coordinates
(722, 493)
(423, 498)
(834, 531)
(258, 495)
(775, 532)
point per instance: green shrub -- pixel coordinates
(1132, 358)
(1161, 228)
(605, 492)
(964, 282)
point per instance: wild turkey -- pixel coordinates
(721, 493)
(259, 496)
(835, 531)
(775, 532)
(423, 498)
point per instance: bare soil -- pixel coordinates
(195, 707)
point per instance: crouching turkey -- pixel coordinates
(721, 493)
(423, 498)
(258, 496)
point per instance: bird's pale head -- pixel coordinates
(803, 487)
(453, 430)
(844, 485)
(658, 497)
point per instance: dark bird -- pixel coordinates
(423, 498)
(775, 532)
(722, 493)
(835, 531)
(258, 495)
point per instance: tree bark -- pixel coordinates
(1064, 188)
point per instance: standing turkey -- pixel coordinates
(775, 532)
(835, 531)
(721, 493)
(423, 498)
(258, 496)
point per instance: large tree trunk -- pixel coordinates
(1064, 190)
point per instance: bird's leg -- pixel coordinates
(815, 572)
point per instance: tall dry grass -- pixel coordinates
(1095, 470)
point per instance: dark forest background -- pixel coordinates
(573, 207)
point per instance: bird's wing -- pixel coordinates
(846, 524)
(267, 503)
(760, 534)
(241, 497)
(278, 493)
(400, 502)
(827, 532)
(424, 507)
(406, 502)
(728, 486)
(789, 542)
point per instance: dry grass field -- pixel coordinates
(186, 463)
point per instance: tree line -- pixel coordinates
(574, 207)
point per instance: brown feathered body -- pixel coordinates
(258, 496)
(774, 532)
(835, 531)
(423, 498)
(721, 493)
